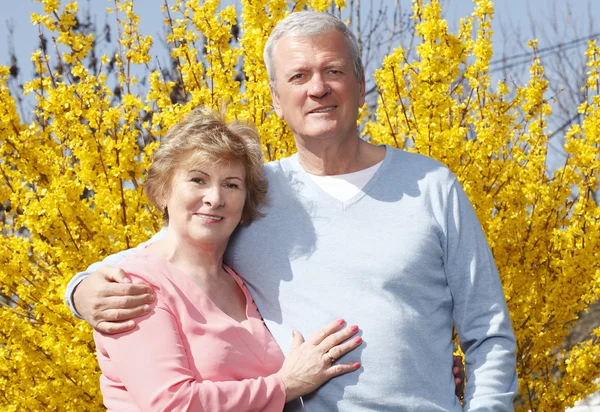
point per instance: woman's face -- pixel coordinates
(206, 202)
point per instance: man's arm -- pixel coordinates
(105, 297)
(480, 313)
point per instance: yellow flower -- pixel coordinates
(70, 178)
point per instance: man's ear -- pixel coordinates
(362, 90)
(275, 99)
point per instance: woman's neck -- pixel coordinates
(195, 259)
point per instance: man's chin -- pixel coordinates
(319, 134)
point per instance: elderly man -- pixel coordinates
(378, 236)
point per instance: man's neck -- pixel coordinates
(329, 160)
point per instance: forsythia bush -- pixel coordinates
(71, 194)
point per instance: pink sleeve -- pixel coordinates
(151, 363)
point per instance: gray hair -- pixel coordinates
(311, 24)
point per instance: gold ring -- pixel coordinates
(331, 358)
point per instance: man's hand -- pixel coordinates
(109, 302)
(458, 370)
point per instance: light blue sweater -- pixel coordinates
(403, 260)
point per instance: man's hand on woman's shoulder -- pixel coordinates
(109, 302)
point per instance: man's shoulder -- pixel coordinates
(414, 158)
(418, 165)
(280, 170)
(280, 163)
(272, 167)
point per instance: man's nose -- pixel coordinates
(318, 87)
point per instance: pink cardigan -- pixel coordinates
(187, 355)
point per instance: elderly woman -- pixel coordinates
(204, 346)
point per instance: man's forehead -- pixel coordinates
(299, 42)
(308, 38)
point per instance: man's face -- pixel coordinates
(317, 92)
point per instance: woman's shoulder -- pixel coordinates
(145, 267)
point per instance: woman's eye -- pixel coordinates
(232, 185)
(197, 180)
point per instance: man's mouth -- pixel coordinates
(323, 109)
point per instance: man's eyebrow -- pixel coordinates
(294, 70)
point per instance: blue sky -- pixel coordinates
(512, 17)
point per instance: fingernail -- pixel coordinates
(354, 328)
(151, 298)
(146, 308)
(293, 332)
(341, 322)
(356, 365)
(358, 340)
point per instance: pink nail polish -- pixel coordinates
(293, 332)
(356, 365)
(341, 322)
(354, 328)
(358, 340)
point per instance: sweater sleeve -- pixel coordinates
(110, 260)
(152, 363)
(480, 312)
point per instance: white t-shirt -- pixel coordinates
(345, 187)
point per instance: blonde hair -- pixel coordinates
(204, 136)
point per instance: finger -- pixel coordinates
(111, 328)
(340, 350)
(459, 391)
(125, 302)
(459, 377)
(120, 315)
(342, 368)
(298, 339)
(318, 337)
(337, 338)
(113, 274)
(120, 289)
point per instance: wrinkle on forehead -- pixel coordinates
(305, 52)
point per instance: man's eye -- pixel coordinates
(296, 76)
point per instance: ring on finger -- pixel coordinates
(331, 358)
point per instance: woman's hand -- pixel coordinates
(310, 364)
